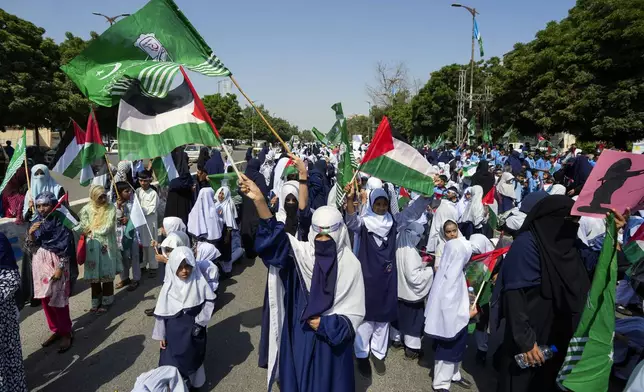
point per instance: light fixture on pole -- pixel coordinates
(474, 12)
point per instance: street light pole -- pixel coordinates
(474, 13)
(371, 120)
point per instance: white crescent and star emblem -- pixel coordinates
(116, 68)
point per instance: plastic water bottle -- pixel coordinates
(547, 352)
(470, 292)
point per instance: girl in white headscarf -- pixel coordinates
(41, 181)
(377, 253)
(506, 189)
(182, 313)
(557, 189)
(206, 254)
(321, 283)
(463, 203)
(227, 212)
(448, 313)
(203, 220)
(414, 281)
(173, 223)
(449, 231)
(474, 215)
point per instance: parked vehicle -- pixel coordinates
(193, 152)
(258, 145)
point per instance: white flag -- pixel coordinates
(137, 217)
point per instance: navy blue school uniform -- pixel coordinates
(452, 350)
(185, 342)
(411, 318)
(380, 276)
(505, 204)
(309, 360)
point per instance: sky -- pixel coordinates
(299, 57)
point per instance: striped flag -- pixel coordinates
(164, 170)
(346, 160)
(634, 242)
(403, 198)
(93, 150)
(479, 38)
(390, 159)
(148, 46)
(469, 170)
(62, 213)
(589, 358)
(479, 271)
(320, 136)
(69, 158)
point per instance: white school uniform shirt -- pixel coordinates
(149, 202)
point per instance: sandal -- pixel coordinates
(102, 309)
(50, 340)
(133, 286)
(66, 348)
(122, 284)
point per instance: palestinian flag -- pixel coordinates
(288, 169)
(164, 170)
(403, 198)
(479, 271)
(62, 213)
(150, 127)
(135, 222)
(469, 170)
(493, 210)
(93, 151)
(589, 358)
(390, 159)
(634, 246)
(224, 179)
(68, 160)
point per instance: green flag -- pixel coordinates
(334, 136)
(148, 45)
(487, 134)
(224, 179)
(320, 136)
(337, 108)
(508, 133)
(471, 126)
(17, 160)
(589, 357)
(438, 142)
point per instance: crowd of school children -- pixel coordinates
(347, 279)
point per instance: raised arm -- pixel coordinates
(413, 211)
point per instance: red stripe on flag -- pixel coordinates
(490, 258)
(404, 193)
(79, 133)
(488, 199)
(639, 234)
(382, 142)
(200, 110)
(93, 134)
(61, 201)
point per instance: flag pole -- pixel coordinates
(146, 221)
(232, 78)
(109, 170)
(478, 295)
(28, 179)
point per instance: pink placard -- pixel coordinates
(617, 181)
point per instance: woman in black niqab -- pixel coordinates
(179, 202)
(483, 177)
(545, 286)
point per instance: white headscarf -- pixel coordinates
(505, 185)
(445, 211)
(172, 224)
(161, 379)
(278, 182)
(227, 208)
(414, 276)
(174, 240)
(441, 240)
(590, 228)
(474, 212)
(177, 294)
(379, 225)
(207, 251)
(203, 219)
(374, 183)
(481, 244)
(462, 204)
(39, 184)
(349, 297)
(288, 188)
(447, 309)
(557, 189)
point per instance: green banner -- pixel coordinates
(17, 160)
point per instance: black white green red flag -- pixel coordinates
(68, 160)
(93, 150)
(390, 159)
(63, 214)
(150, 127)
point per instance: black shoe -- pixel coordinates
(149, 312)
(411, 354)
(621, 309)
(463, 383)
(379, 365)
(364, 367)
(481, 357)
(441, 390)
(397, 345)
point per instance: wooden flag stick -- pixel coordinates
(232, 78)
(109, 170)
(478, 295)
(28, 179)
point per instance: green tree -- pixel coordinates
(306, 136)
(28, 64)
(226, 114)
(359, 125)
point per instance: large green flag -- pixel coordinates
(471, 126)
(589, 357)
(148, 45)
(337, 108)
(320, 136)
(17, 159)
(346, 161)
(224, 179)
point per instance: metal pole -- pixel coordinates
(473, 11)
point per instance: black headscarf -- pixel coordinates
(180, 159)
(7, 258)
(514, 162)
(581, 170)
(262, 155)
(550, 231)
(249, 154)
(215, 164)
(253, 174)
(203, 158)
(483, 177)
